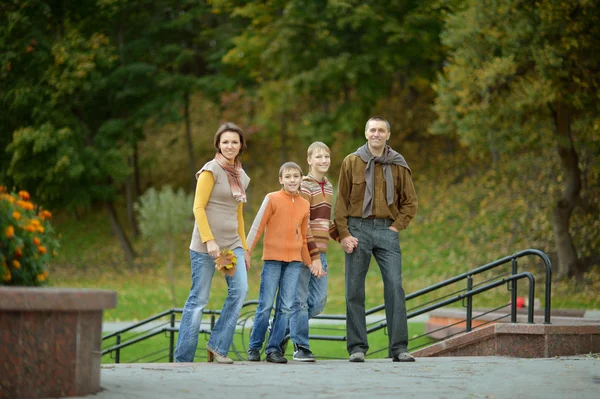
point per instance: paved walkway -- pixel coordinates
(449, 377)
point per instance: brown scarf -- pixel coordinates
(389, 157)
(234, 176)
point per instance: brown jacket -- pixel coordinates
(351, 192)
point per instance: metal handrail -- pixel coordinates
(467, 294)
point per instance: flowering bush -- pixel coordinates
(27, 240)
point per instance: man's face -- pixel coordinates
(290, 180)
(377, 134)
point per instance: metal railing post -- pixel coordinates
(172, 338)
(469, 304)
(118, 354)
(513, 294)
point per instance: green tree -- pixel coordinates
(321, 67)
(163, 216)
(523, 75)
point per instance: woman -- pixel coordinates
(218, 203)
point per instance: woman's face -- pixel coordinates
(230, 145)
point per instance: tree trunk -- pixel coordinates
(283, 136)
(130, 194)
(567, 255)
(188, 140)
(120, 233)
(137, 181)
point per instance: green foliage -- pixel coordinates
(498, 93)
(163, 215)
(27, 240)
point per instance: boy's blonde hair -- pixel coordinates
(317, 145)
(290, 165)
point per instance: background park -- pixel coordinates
(108, 108)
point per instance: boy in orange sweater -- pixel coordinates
(283, 216)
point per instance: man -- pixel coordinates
(376, 199)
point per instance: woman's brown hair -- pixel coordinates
(230, 127)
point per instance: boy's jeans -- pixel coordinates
(221, 337)
(276, 275)
(311, 297)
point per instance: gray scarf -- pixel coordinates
(389, 157)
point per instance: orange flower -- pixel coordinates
(30, 228)
(7, 276)
(24, 195)
(16, 215)
(40, 229)
(18, 253)
(10, 232)
(44, 215)
(42, 249)
(35, 222)
(36, 241)
(25, 205)
(41, 277)
(16, 264)
(2, 188)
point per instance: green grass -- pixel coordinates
(156, 349)
(468, 215)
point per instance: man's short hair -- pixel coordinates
(289, 165)
(378, 118)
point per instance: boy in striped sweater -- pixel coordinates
(283, 216)
(311, 292)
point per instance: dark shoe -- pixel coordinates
(302, 354)
(276, 357)
(284, 344)
(357, 357)
(253, 355)
(403, 357)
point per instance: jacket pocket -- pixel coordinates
(358, 188)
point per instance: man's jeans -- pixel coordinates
(221, 337)
(311, 297)
(276, 275)
(375, 237)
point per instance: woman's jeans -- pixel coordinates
(279, 278)
(311, 297)
(221, 337)
(375, 238)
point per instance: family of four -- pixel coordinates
(376, 199)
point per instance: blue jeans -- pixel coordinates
(221, 337)
(278, 278)
(311, 297)
(375, 238)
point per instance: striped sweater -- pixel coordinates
(284, 219)
(320, 198)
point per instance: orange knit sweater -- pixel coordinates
(284, 219)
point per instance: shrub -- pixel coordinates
(27, 240)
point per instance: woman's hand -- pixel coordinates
(213, 248)
(393, 229)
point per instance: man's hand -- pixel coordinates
(316, 268)
(393, 229)
(349, 243)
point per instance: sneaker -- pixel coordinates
(357, 357)
(302, 354)
(276, 357)
(253, 355)
(403, 357)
